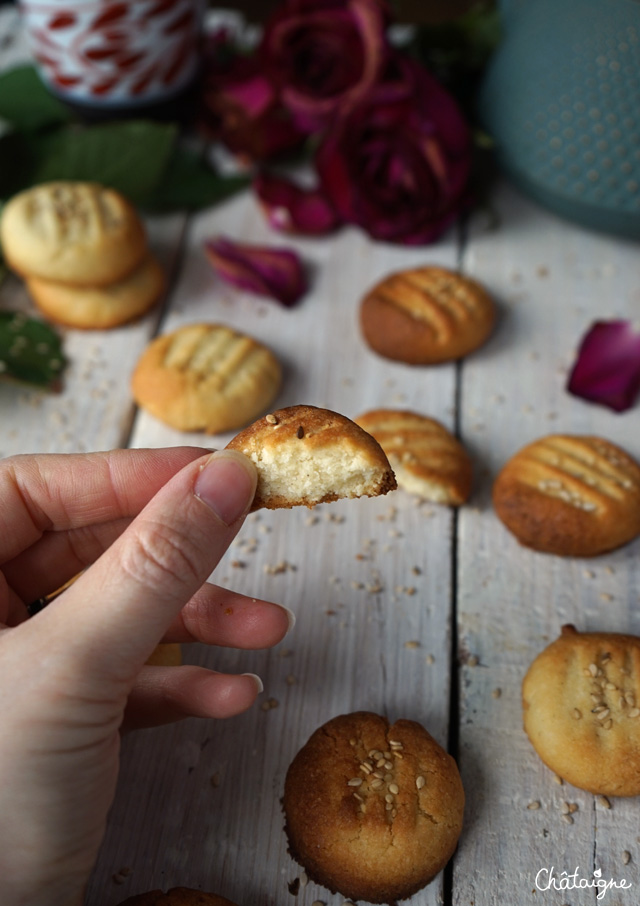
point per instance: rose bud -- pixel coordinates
(292, 209)
(275, 273)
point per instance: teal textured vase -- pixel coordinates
(561, 100)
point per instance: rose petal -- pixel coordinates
(292, 209)
(607, 369)
(275, 273)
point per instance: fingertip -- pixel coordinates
(227, 484)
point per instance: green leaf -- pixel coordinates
(30, 351)
(129, 156)
(16, 164)
(189, 183)
(27, 104)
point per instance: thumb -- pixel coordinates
(118, 610)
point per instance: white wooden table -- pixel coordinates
(404, 608)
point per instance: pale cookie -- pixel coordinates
(426, 458)
(305, 455)
(101, 307)
(580, 698)
(177, 896)
(373, 811)
(206, 377)
(426, 316)
(72, 232)
(569, 495)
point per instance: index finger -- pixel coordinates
(57, 492)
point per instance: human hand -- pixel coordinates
(147, 527)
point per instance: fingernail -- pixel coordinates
(227, 484)
(291, 617)
(258, 681)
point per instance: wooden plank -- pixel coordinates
(552, 280)
(372, 632)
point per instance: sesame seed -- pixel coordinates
(420, 781)
(603, 801)
(395, 744)
(577, 713)
(603, 714)
(388, 806)
(388, 797)
(533, 806)
(634, 712)
(630, 698)
(607, 724)
(567, 819)
(355, 781)
(271, 419)
(593, 669)
(358, 797)
(626, 857)
(393, 788)
(376, 784)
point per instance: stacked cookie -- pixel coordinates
(83, 253)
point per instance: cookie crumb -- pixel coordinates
(626, 857)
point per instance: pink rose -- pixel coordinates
(324, 55)
(398, 164)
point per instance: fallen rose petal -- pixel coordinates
(607, 369)
(275, 273)
(292, 209)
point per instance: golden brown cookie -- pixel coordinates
(580, 699)
(206, 377)
(168, 654)
(426, 458)
(72, 232)
(426, 316)
(373, 811)
(177, 896)
(569, 495)
(100, 307)
(305, 455)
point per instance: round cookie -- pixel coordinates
(100, 307)
(580, 700)
(177, 896)
(72, 232)
(206, 377)
(305, 455)
(426, 458)
(426, 316)
(373, 811)
(569, 495)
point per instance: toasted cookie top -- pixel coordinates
(373, 810)
(206, 377)
(426, 458)
(72, 232)
(307, 455)
(570, 495)
(426, 315)
(177, 896)
(581, 698)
